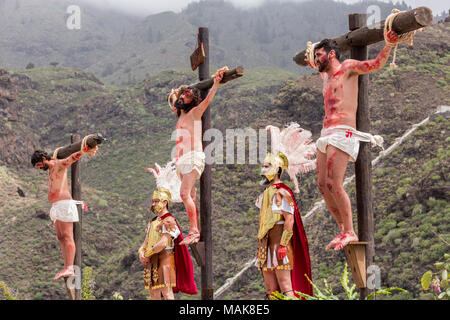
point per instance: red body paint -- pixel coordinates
(330, 162)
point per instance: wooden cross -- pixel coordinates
(74, 292)
(357, 40)
(202, 250)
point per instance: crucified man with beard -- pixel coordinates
(339, 139)
(190, 160)
(64, 211)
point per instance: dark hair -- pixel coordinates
(196, 99)
(38, 155)
(328, 45)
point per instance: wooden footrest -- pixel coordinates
(356, 256)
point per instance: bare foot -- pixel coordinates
(192, 237)
(65, 273)
(334, 241)
(348, 237)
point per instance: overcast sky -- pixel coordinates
(147, 7)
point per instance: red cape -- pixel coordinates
(302, 262)
(183, 265)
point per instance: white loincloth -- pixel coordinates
(347, 139)
(193, 160)
(65, 211)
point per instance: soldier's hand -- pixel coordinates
(143, 259)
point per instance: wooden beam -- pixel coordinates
(365, 35)
(76, 195)
(228, 75)
(92, 141)
(205, 182)
(363, 165)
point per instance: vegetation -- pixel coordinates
(410, 186)
(88, 284)
(439, 284)
(326, 293)
(124, 50)
(5, 292)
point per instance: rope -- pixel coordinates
(310, 54)
(83, 145)
(221, 69)
(407, 36)
(169, 98)
(55, 153)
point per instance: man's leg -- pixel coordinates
(284, 282)
(327, 195)
(64, 233)
(155, 294)
(187, 184)
(167, 293)
(337, 161)
(194, 198)
(270, 282)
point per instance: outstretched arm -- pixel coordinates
(201, 108)
(74, 157)
(363, 67)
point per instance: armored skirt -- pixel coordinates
(160, 272)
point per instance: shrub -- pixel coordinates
(439, 285)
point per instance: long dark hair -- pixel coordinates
(38, 155)
(196, 99)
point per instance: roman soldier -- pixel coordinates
(168, 265)
(283, 255)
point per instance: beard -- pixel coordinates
(323, 65)
(44, 167)
(264, 181)
(186, 107)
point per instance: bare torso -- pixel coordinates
(340, 95)
(188, 133)
(58, 187)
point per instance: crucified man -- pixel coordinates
(190, 160)
(339, 139)
(64, 210)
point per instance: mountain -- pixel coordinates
(42, 107)
(36, 32)
(123, 50)
(268, 35)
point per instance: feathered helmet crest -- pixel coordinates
(167, 182)
(292, 151)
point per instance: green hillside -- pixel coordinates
(123, 50)
(41, 107)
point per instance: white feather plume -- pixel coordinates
(295, 143)
(167, 177)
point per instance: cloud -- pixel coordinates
(147, 7)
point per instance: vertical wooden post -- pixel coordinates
(205, 183)
(363, 167)
(76, 195)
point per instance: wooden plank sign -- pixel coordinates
(198, 56)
